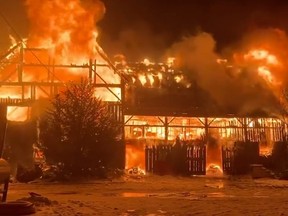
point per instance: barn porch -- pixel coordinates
(208, 144)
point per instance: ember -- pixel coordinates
(214, 169)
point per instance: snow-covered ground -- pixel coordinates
(158, 195)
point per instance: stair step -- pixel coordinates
(259, 171)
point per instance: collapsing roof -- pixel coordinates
(162, 90)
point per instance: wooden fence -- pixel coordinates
(196, 158)
(182, 160)
(236, 159)
(228, 159)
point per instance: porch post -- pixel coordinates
(3, 126)
(166, 124)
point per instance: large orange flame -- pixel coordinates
(66, 27)
(135, 157)
(64, 33)
(266, 62)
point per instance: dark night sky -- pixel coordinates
(226, 20)
(156, 24)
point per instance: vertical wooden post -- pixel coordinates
(245, 124)
(146, 159)
(23, 91)
(3, 126)
(122, 115)
(166, 124)
(95, 72)
(20, 65)
(206, 130)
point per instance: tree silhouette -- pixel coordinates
(78, 132)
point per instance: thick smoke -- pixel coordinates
(69, 28)
(137, 42)
(234, 88)
(274, 41)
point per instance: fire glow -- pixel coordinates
(65, 28)
(135, 157)
(66, 33)
(224, 132)
(17, 114)
(266, 60)
(61, 33)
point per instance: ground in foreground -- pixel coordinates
(157, 195)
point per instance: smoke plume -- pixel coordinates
(137, 43)
(232, 86)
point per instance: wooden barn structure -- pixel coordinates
(151, 118)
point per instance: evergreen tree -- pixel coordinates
(78, 133)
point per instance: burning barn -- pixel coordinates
(57, 51)
(156, 103)
(194, 98)
(164, 105)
